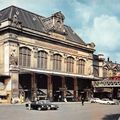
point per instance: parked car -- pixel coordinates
(94, 100)
(107, 101)
(116, 101)
(50, 105)
(36, 105)
(69, 96)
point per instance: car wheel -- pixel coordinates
(39, 108)
(48, 107)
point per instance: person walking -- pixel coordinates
(82, 100)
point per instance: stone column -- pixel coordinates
(33, 86)
(49, 91)
(75, 89)
(64, 87)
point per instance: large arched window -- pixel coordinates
(25, 57)
(57, 59)
(42, 59)
(81, 66)
(70, 64)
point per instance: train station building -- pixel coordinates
(42, 57)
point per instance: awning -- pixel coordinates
(90, 77)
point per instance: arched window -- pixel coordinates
(70, 64)
(42, 59)
(57, 59)
(81, 66)
(25, 57)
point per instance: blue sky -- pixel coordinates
(95, 21)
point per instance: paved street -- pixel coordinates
(67, 111)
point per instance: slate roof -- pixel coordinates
(112, 65)
(35, 22)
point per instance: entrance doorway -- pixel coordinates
(57, 84)
(70, 89)
(41, 87)
(25, 85)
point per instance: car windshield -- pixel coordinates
(105, 99)
(40, 102)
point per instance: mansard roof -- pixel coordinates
(28, 19)
(35, 22)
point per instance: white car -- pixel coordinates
(107, 101)
(94, 100)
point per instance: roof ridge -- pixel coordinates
(10, 15)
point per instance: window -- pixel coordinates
(105, 72)
(24, 57)
(114, 72)
(96, 71)
(81, 66)
(57, 59)
(70, 64)
(42, 59)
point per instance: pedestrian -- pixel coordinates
(82, 100)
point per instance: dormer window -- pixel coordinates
(55, 23)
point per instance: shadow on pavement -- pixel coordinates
(111, 117)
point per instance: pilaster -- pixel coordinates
(14, 73)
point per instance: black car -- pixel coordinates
(36, 105)
(50, 105)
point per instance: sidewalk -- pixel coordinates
(59, 103)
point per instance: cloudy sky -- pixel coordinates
(95, 21)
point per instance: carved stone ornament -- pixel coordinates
(58, 21)
(92, 45)
(15, 21)
(13, 57)
(13, 36)
(35, 50)
(55, 23)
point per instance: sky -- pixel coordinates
(95, 21)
